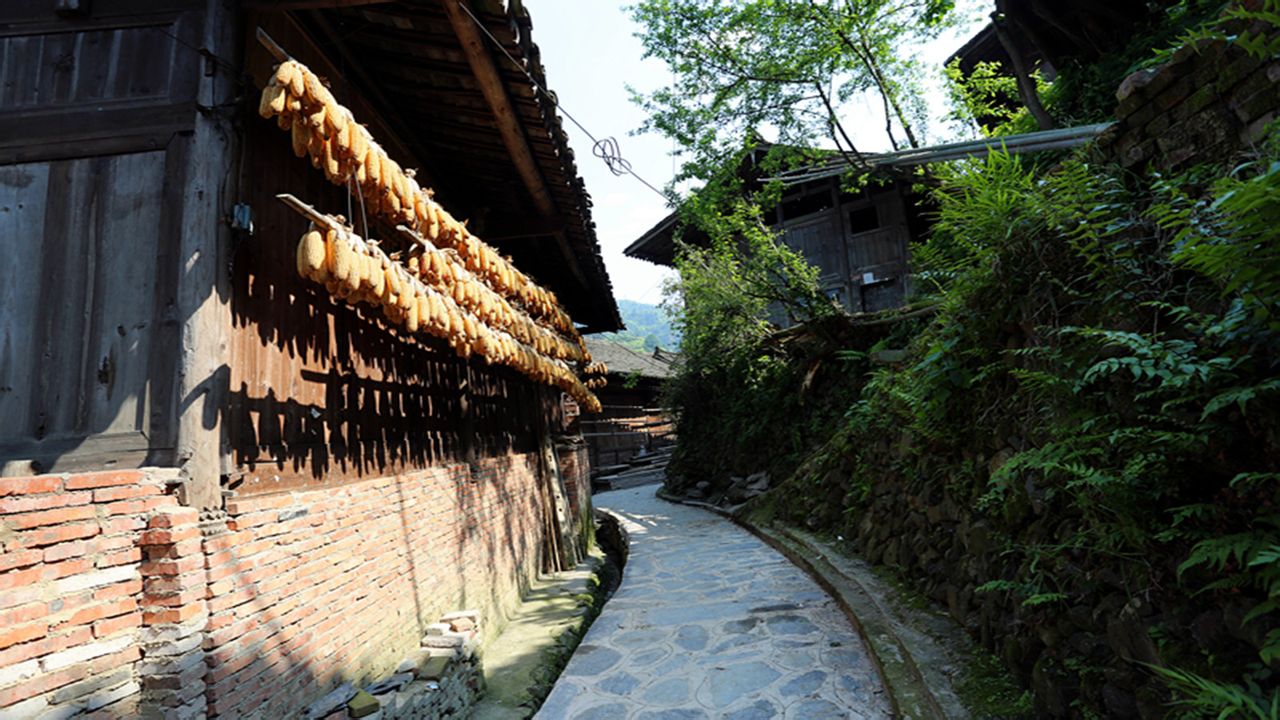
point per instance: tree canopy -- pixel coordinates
(790, 67)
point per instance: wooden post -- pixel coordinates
(203, 297)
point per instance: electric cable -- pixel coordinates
(606, 149)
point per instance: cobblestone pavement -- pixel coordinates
(712, 623)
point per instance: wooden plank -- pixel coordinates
(23, 135)
(116, 373)
(72, 454)
(23, 193)
(165, 332)
(26, 17)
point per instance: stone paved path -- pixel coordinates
(712, 623)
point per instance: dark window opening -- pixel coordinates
(863, 220)
(806, 205)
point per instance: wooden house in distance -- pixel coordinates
(227, 489)
(858, 241)
(631, 419)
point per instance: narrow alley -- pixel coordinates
(711, 622)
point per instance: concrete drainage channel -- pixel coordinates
(522, 664)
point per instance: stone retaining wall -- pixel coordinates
(1206, 103)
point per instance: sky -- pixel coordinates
(591, 54)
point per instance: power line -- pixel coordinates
(606, 149)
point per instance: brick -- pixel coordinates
(31, 503)
(172, 567)
(169, 536)
(57, 516)
(14, 634)
(19, 671)
(115, 542)
(88, 651)
(177, 647)
(122, 524)
(159, 502)
(126, 507)
(21, 595)
(19, 558)
(89, 685)
(191, 678)
(104, 479)
(23, 613)
(174, 517)
(125, 492)
(157, 616)
(119, 557)
(180, 549)
(110, 626)
(43, 572)
(30, 485)
(95, 579)
(183, 598)
(21, 578)
(99, 611)
(51, 644)
(62, 533)
(161, 585)
(121, 589)
(267, 502)
(30, 708)
(62, 551)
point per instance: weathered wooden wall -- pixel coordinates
(320, 393)
(97, 120)
(857, 242)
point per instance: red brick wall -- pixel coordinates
(113, 597)
(311, 589)
(72, 596)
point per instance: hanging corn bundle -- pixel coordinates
(359, 272)
(328, 133)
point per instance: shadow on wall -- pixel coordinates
(336, 394)
(310, 590)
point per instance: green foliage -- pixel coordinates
(988, 95)
(647, 327)
(1113, 341)
(787, 65)
(1083, 90)
(733, 394)
(1209, 698)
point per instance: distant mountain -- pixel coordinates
(647, 328)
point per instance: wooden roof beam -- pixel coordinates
(509, 125)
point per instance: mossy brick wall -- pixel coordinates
(1205, 104)
(308, 590)
(85, 627)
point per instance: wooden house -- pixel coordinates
(285, 480)
(631, 419)
(857, 240)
